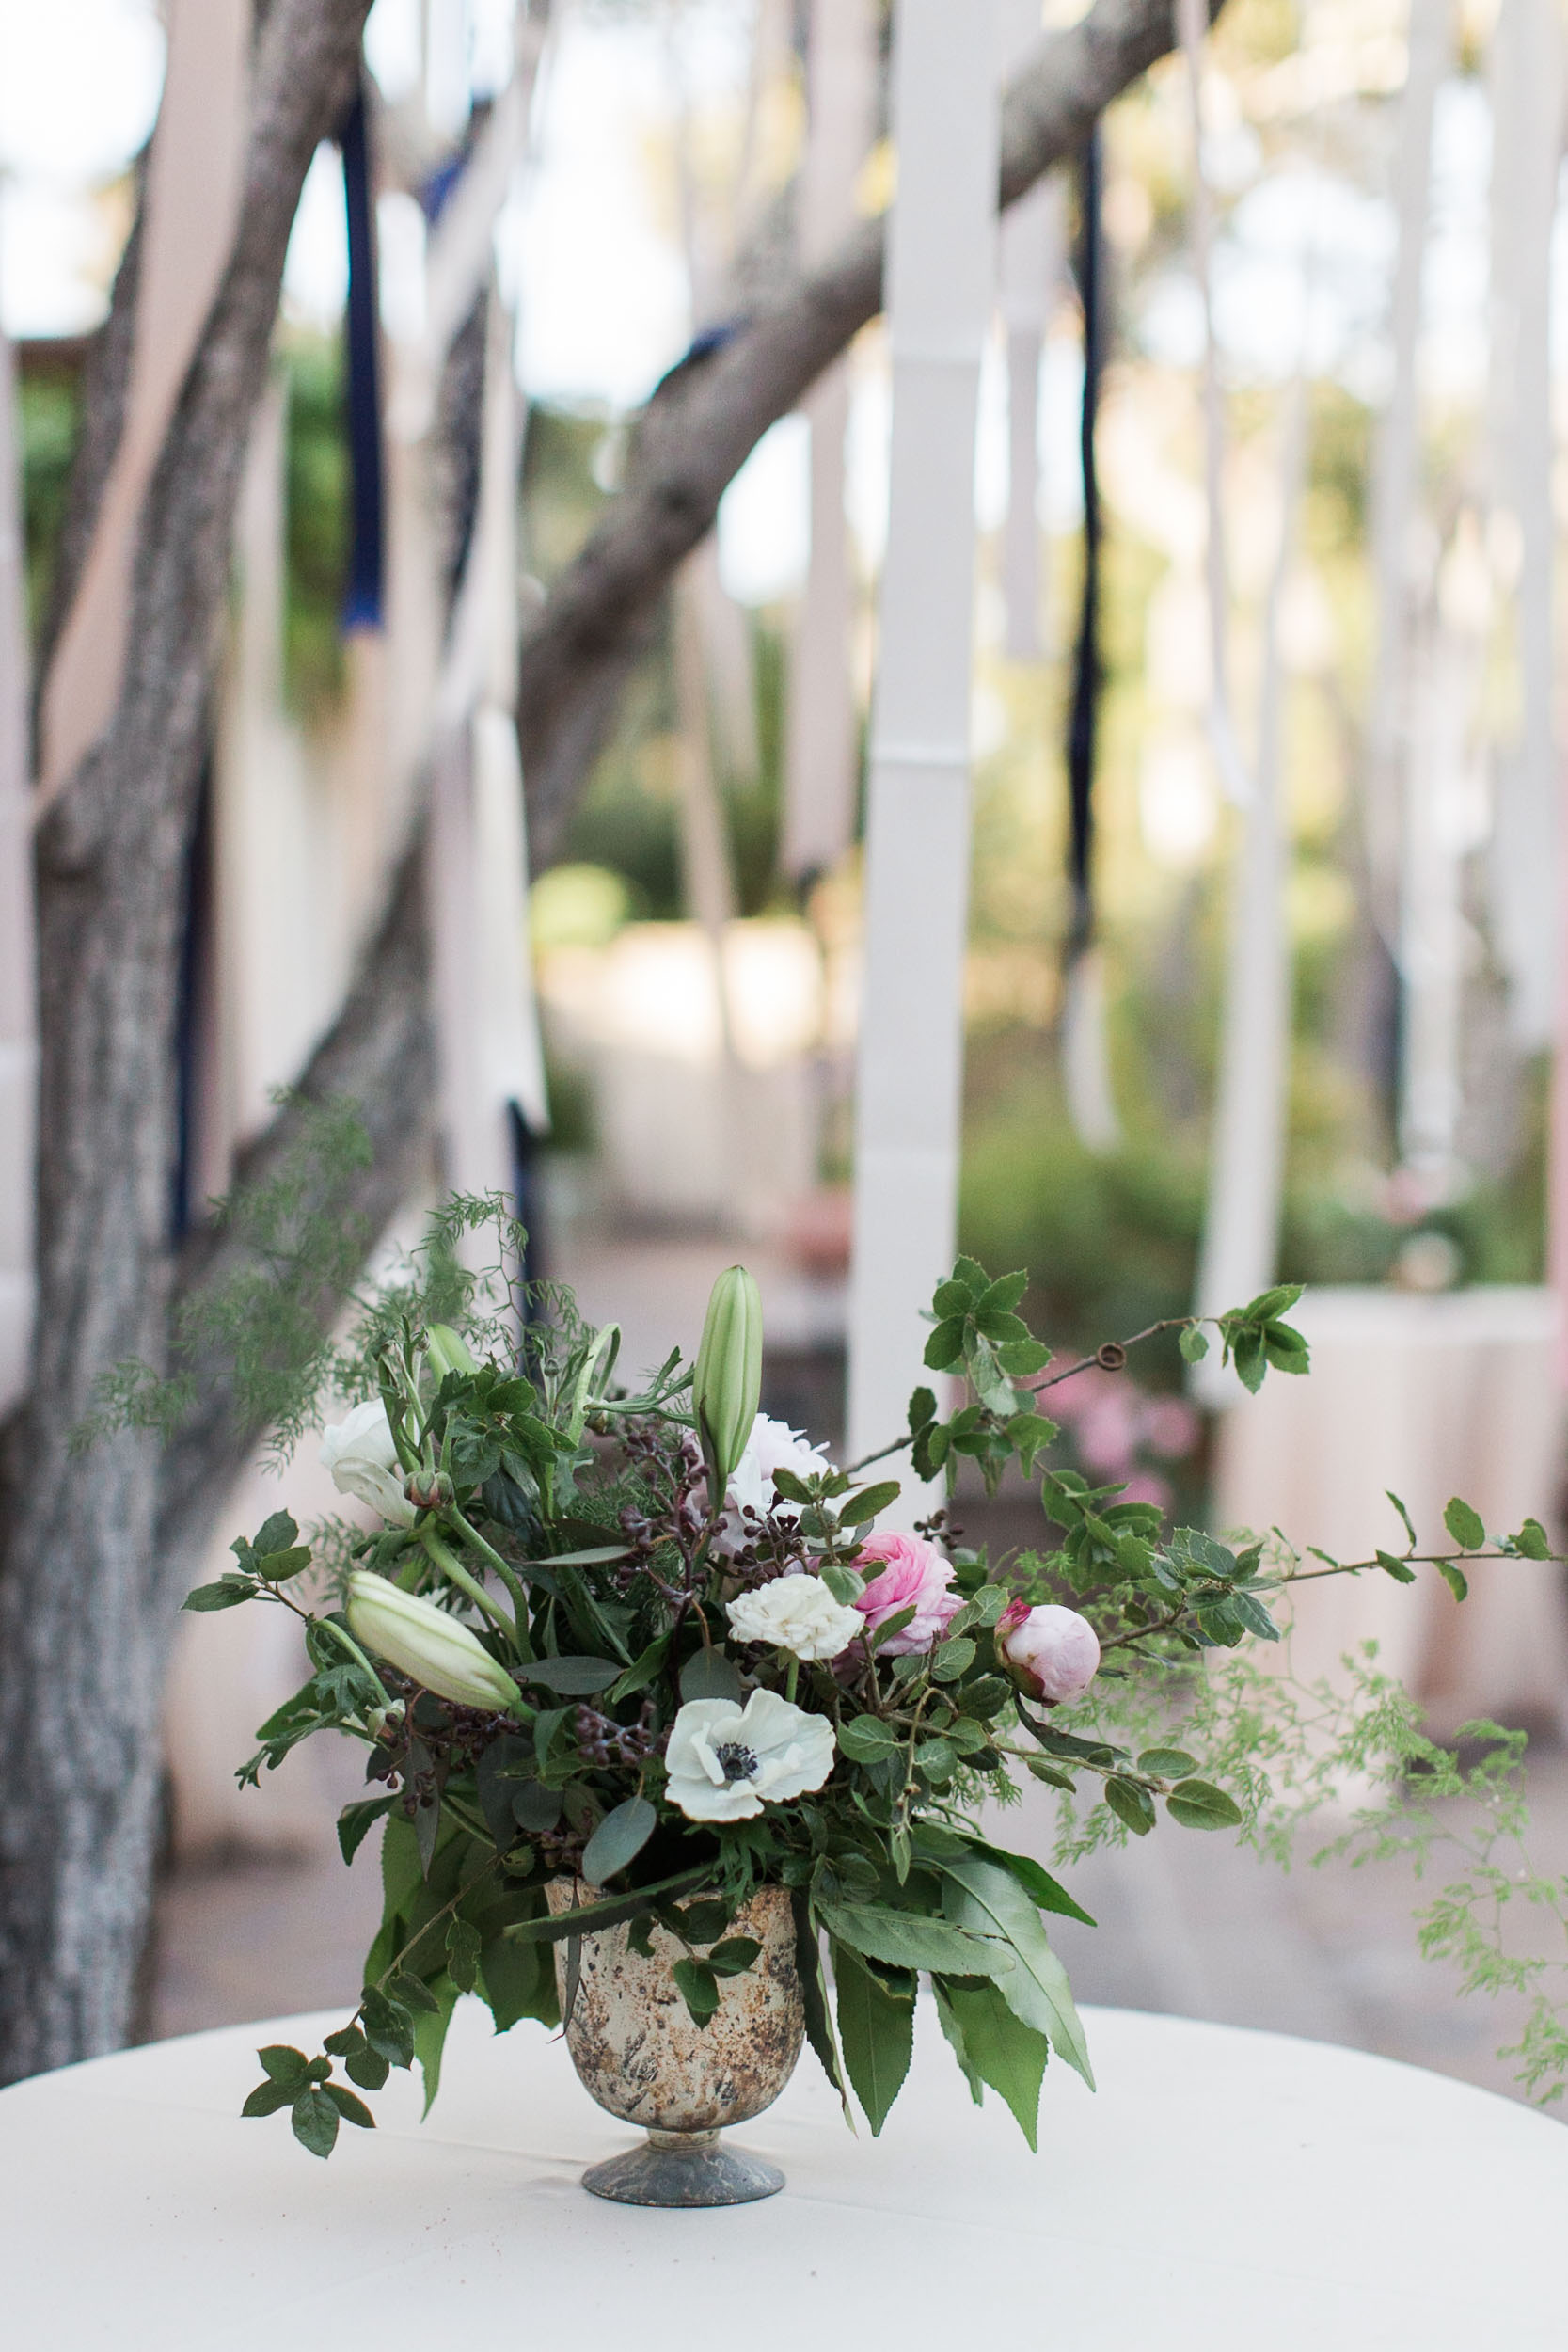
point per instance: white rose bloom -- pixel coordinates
(797, 1614)
(363, 1460)
(723, 1760)
(771, 1446)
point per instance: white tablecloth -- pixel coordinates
(1224, 2192)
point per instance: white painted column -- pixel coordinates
(941, 285)
(1526, 76)
(1395, 468)
(1032, 256)
(18, 1032)
(821, 732)
(1191, 18)
(1246, 1164)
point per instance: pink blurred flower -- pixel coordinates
(1170, 1428)
(913, 1574)
(1147, 1487)
(1052, 1653)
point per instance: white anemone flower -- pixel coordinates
(725, 1760)
(771, 1446)
(363, 1460)
(797, 1614)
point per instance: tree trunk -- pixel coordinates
(83, 1608)
(92, 1549)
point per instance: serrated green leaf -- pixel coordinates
(289, 2067)
(462, 1949)
(315, 2122)
(951, 1658)
(227, 1594)
(1465, 1524)
(1454, 1578)
(1532, 1541)
(367, 2068)
(1194, 1344)
(699, 1989)
(866, 1738)
(923, 1408)
(1399, 1570)
(944, 1349)
(734, 1956)
(355, 1820)
(1166, 1763)
(1409, 1523)
(980, 1895)
(267, 2098)
(876, 2033)
(908, 1939)
(1000, 2049)
(353, 2110)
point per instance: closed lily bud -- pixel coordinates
(727, 1385)
(1052, 1654)
(447, 1351)
(424, 1642)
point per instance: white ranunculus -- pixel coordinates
(771, 1446)
(723, 1760)
(363, 1460)
(797, 1614)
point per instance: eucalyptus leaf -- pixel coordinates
(710, 1674)
(572, 1676)
(618, 1840)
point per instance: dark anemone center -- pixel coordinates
(739, 1763)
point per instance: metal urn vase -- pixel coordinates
(638, 2052)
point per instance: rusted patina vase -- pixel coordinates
(638, 2052)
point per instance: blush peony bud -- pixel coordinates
(727, 1383)
(1051, 1653)
(424, 1642)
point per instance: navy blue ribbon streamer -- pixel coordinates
(363, 599)
(1082, 724)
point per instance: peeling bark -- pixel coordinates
(84, 1624)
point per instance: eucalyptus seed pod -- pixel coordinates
(727, 1385)
(424, 1642)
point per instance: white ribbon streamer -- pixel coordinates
(1192, 25)
(821, 735)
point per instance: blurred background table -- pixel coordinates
(1433, 1396)
(1224, 2190)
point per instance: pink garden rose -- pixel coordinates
(914, 1575)
(1051, 1653)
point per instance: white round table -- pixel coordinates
(1224, 2190)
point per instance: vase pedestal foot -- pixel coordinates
(683, 2169)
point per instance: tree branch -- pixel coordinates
(704, 419)
(380, 1054)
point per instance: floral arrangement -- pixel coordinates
(650, 1641)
